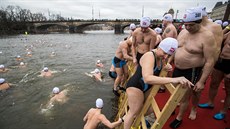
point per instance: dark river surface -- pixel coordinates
(22, 106)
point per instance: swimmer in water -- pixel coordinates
(99, 64)
(53, 54)
(94, 117)
(29, 54)
(3, 84)
(3, 69)
(57, 97)
(46, 72)
(18, 58)
(95, 74)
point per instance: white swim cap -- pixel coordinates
(56, 90)
(225, 23)
(192, 15)
(145, 22)
(45, 69)
(203, 10)
(98, 61)
(158, 30)
(168, 17)
(18, 56)
(99, 103)
(96, 71)
(2, 80)
(169, 45)
(28, 53)
(132, 26)
(2, 66)
(218, 22)
(21, 63)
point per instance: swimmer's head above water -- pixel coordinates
(45, 69)
(99, 103)
(2, 80)
(22, 63)
(56, 90)
(2, 66)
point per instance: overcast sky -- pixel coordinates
(108, 9)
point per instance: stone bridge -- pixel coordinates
(78, 26)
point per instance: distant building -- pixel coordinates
(221, 11)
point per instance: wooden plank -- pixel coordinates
(155, 107)
(170, 87)
(169, 107)
(143, 124)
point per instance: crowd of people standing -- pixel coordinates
(199, 50)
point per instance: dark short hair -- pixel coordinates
(197, 21)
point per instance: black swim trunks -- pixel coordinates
(118, 63)
(138, 57)
(223, 65)
(192, 74)
(113, 74)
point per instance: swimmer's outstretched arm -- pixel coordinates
(107, 123)
(90, 75)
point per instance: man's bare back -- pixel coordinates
(124, 49)
(225, 53)
(94, 116)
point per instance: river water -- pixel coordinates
(22, 106)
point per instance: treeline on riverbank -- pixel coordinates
(13, 19)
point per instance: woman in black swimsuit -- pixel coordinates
(149, 68)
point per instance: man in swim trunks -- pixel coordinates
(214, 28)
(94, 117)
(144, 39)
(119, 62)
(221, 71)
(149, 68)
(194, 59)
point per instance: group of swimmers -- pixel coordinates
(200, 50)
(57, 94)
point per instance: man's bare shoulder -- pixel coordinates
(152, 32)
(91, 110)
(137, 31)
(171, 26)
(215, 28)
(183, 33)
(206, 33)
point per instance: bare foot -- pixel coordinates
(192, 115)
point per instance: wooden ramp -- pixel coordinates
(162, 116)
